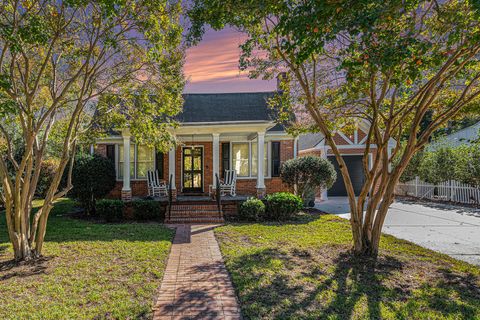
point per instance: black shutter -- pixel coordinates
(111, 152)
(275, 159)
(159, 163)
(225, 158)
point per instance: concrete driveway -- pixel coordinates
(453, 230)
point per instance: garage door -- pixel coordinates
(355, 169)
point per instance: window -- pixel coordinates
(240, 158)
(244, 159)
(142, 159)
(145, 161)
(254, 159)
(275, 159)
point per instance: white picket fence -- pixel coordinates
(447, 191)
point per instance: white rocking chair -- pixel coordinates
(156, 187)
(229, 183)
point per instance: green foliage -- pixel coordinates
(413, 167)
(47, 173)
(93, 177)
(307, 174)
(282, 206)
(467, 168)
(148, 210)
(251, 210)
(438, 166)
(121, 265)
(109, 209)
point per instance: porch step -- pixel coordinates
(203, 212)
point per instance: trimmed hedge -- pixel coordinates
(110, 210)
(93, 178)
(282, 206)
(251, 210)
(147, 210)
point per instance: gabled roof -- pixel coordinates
(309, 140)
(226, 107)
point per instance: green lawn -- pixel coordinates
(304, 270)
(90, 270)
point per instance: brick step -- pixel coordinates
(211, 215)
(195, 213)
(195, 220)
(194, 207)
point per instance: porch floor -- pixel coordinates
(191, 198)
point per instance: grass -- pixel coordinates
(90, 270)
(304, 270)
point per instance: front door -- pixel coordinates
(192, 168)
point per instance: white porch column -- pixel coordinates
(260, 162)
(126, 190)
(216, 156)
(324, 192)
(171, 166)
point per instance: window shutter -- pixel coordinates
(159, 158)
(111, 152)
(225, 158)
(275, 159)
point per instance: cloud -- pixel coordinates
(212, 66)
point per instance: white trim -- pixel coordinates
(347, 139)
(261, 160)
(268, 176)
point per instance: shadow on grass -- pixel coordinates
(12, 269)
(295, 284)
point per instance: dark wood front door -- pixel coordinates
(192, 168)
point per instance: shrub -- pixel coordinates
(282, 206)
(467, 169)
(47, 172)
(251, 210)
(93, 177)
(438, 166)
(110, 210)
(147, 210)
(306, 174)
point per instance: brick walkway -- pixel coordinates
(196, 284)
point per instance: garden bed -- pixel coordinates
(304, 270)
(90, 270)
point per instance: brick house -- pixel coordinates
(216, 132)
(351, 146)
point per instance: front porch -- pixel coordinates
(204, 151)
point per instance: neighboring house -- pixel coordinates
(217, 132)
(463, 136)
(352, 148)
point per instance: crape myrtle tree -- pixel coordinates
(59, 60)
(384, 63)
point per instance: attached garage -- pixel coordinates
(355, 169)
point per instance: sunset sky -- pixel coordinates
(212, 65)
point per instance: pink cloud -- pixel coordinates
(212, 65)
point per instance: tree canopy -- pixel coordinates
(61, 63)
(386, 64)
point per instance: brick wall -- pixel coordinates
(139, 189)
(244, 186)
